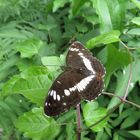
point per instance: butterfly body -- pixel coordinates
(83, 79)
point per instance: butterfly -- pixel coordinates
(81, 80)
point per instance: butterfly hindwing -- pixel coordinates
(93, 89)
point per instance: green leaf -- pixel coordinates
(70, 130)
(58, 4)
(122, 116)
(92, 114)
(122, 79)
(29, 47)
(135, 133)
(136, 20)
(8, 66)
(102, 10)
(7, 88)
(10, 109)
(33, 84)
(67, 117)
(113, 63)
(36, 126)
(10, 31)
(48, 50)
(53, 63)
(134, 43)
(48, 7)
(106, 38)
(82, 28)
(135, 31)
(117, 13)
(137, 3)
(115, 136)
(76, 5)
(51, 24)
(130, 120)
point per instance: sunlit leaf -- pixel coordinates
(135, 31)
(136, 20)
(117, 13)
(58, 4)
(135, 133)
(106, 38)
(36, 126)
(29, 47)
(33, 84)
(92, 114)
(104, 15)
(137, 3)
(122, 79)
(76, 5)
(52, 62)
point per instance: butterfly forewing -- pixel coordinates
(80, 57)
(64, 93)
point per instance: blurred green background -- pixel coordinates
(35, 33)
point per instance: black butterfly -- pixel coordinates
(82, 79)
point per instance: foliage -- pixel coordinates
(34, 35)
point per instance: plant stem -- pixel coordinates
(124, 100)
(78, 122)
(109, 113)
(130, 74)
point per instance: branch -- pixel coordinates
(78, 122)
(121, 98)
(108, 114)
(125, 93)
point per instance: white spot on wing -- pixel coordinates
(72, 89)
(58, 82)
(80, 54)
(73, 44)
(54, 94)
(72, 49)
(67, 92)
(87, 63)
(58, 97)
(84, 82)
(51, 93)
(79, 87)
(46, 104)
(64, 104)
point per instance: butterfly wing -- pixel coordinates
(82, 80)
(93, 89)
(63, 94)
(80, 57)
